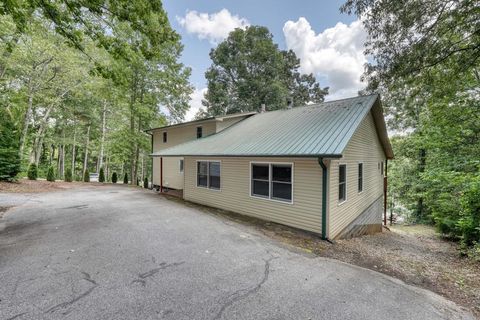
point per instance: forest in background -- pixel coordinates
(80, 84)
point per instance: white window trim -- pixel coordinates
(208, 175)
(363, 177)
(346, 184)
(269, 198)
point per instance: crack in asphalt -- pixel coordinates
(81, 206)
(244, 293)
(16, 316)
(77, 298)
(151, 273)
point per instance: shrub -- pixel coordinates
(9, 147)
(101, 176)
(145, 183)
(114, 177)
(51, 174)
(125, 178)
(138, 182)
(32, 172)
(68, 175)
(86, 176)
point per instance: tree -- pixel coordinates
(68, 175)
(248, 70)
(101, 176)
(114, 177)
(32, 172)
(125, 178)
(96, 20)
(9, 155)
(426, 65)
(86, 176)
(51, 174)
(145, 183)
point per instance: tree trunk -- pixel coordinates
(102, 142)
(421, 169)
(73, 148)
(85, 159)
(26, 119)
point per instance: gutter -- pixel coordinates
(324, 198)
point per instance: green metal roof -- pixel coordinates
(310, 131)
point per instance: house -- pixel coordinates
(319, 167)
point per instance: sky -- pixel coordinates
(328, 43)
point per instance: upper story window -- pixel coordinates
(165, 137)
(208, 174)
(181, 165)
(199, 132)
(342, 183)
(360, 177)
(272, 181)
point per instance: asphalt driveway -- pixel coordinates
(116, 252)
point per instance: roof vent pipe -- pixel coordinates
(263, 108)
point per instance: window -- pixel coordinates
(181, 165)
(199, 132)
(342, 183)
(214, 175)
(360, 177)
(381, 168)
(202, 174)
(208, 174)
(164, 137)
(260, 180)
(272, 181)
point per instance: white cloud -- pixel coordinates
(336, 54)
(214, 27)
(195, 103)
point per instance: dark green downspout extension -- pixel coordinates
(324, 198)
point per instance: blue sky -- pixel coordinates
(328, 43)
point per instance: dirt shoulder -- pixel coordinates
(36, 186)
(414, 254)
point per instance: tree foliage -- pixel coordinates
(32, 173)
(101, 175)
(9, 153)
(83, 80)
(51, 174)
(114, 177)
(426, 64)
(248, 70)
(68, 175)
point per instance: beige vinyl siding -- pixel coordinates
(363, 147)
(172, 177)
(178, 135)
(234, 195)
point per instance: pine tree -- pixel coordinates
(68, 175)
(9, 148)
(125, 178)
(101, 176)
(114, 177)
(32, 172)
(145, 183)
(51, 174)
